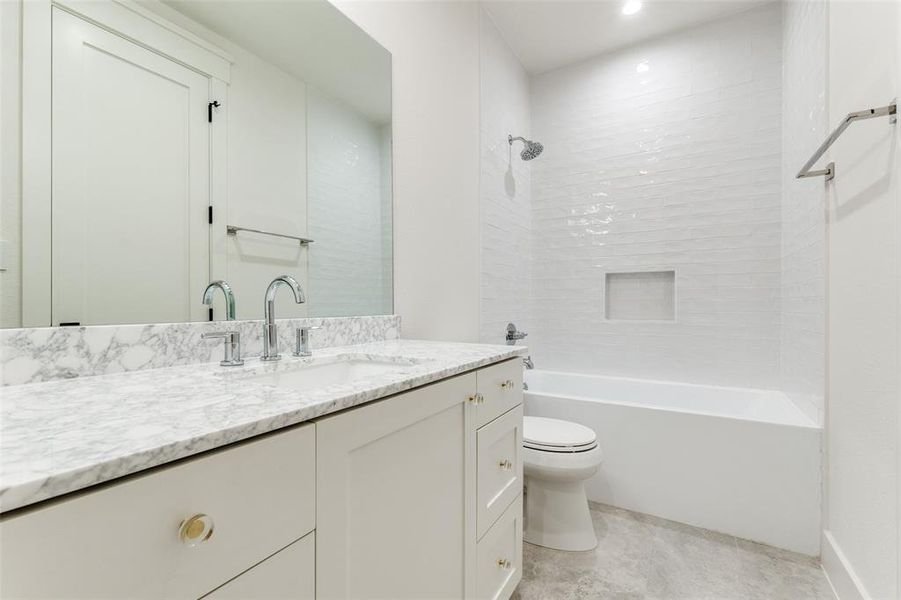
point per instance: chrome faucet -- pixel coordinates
(270, 333)
(226, 291)
(302, 341)
(513, 335)
(232, 339)
(527, 362)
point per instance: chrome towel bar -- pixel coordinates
(232, 230)
(889, 111)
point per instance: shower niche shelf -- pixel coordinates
(640, 296)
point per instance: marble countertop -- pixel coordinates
(61, 436)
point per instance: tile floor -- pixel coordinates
(640, 557)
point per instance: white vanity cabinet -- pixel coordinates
(418, 495)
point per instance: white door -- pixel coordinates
(130, 180)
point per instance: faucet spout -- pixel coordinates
(226, 291)
(270, 332)
(292, 284)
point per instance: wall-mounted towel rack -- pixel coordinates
(883, 111)
(232, 230)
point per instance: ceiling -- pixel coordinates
(546, 34)
(311, 40)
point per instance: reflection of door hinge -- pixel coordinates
(209, 109)
(210, 215)
(211, 313)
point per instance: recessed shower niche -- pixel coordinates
(640, 296)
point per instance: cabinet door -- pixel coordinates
(390, 496)
(499, 460)
(286, 575)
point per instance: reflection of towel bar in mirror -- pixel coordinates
(232, 230)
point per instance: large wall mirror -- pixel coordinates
(163, 145)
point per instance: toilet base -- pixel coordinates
(557, 515)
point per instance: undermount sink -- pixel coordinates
(306, 376)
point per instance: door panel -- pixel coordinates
(130, 180)
(390, 496)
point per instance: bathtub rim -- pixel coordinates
(804, 422)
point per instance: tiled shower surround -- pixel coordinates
(665, 156)
(804, 126)
(506, 189)
(676, 167)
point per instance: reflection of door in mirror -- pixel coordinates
(136, 191)
(131, 180)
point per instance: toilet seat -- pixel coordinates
(553, 435)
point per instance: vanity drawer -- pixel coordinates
(289, 574)
(499, 556)
(499, 460)
(127, 540)
(500, 389)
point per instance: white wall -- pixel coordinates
(672, 166)
(435, 57)
(10, 165)
(803, 286)
(346, 200)
(861, 550)
(505, 189)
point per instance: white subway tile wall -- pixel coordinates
(804, 127)
(349, 211)
(505, 190)
(665, 155)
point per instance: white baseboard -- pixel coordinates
(844, 581)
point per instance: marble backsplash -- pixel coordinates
(34, 355)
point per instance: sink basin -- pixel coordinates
(306, 376)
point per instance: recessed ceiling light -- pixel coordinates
(631, 7)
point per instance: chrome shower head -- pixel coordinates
(531, 149)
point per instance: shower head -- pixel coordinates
(531, 149)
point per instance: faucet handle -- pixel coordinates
(302, 341)
(232, 339)
(513, 334)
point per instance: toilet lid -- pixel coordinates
(554, 435)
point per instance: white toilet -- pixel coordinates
(558, 456)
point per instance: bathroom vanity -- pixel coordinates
(185, 144)
(390, 470)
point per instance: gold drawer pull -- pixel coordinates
(505, 464)
(477, 398)
(507, 385)
(503, 563)
(196, 529)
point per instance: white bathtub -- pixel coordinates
(739, 461)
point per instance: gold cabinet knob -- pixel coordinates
(507, 385)
(195, 530)
(505, 464)
(503, 563)
(477, 398)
